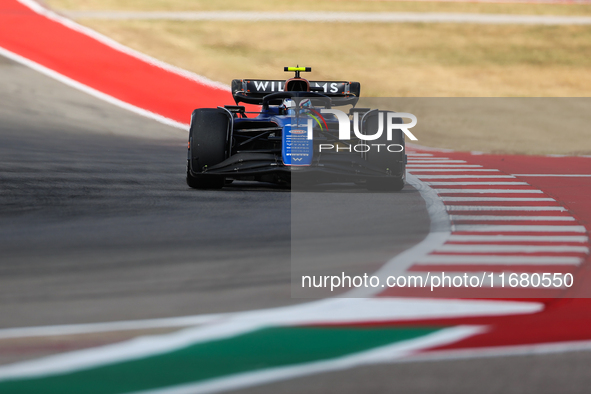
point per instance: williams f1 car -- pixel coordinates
(294, 137)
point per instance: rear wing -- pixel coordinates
(252, 91)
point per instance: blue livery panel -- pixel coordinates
(297, 150)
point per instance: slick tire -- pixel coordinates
(390, 159)
(208, 146)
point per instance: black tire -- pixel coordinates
(392, 163)
(207, 147)
(204, 182)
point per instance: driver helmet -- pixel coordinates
(289, 105)
(305, 103)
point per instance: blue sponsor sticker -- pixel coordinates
(297, 148)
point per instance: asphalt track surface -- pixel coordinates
(554, 373)
(97, 223)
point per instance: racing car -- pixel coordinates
(293, 136)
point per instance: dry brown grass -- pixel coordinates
(390, 60)
(498, 125)
(396, 60)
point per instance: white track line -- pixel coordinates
(502, 208)
(439, 232)
(213, 330)
(338, 17)
(446, 166)
(501, 260)
(559, 175)
(88, 90)
(413, 169)
(476, 183)
(70, 24)
(501, 351)
(328, 311)
(426, 176)
(410, 161)
(433, 158)
(325, 311)
(513, 248)
(514, 218)
(74, 329)
(488, 191)
(385, 354)
(41, 10)
(496, 199)
(519, 238)
(519, 228)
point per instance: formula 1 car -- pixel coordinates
(295, 137)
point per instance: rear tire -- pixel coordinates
(207, 147)
(391, 163)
